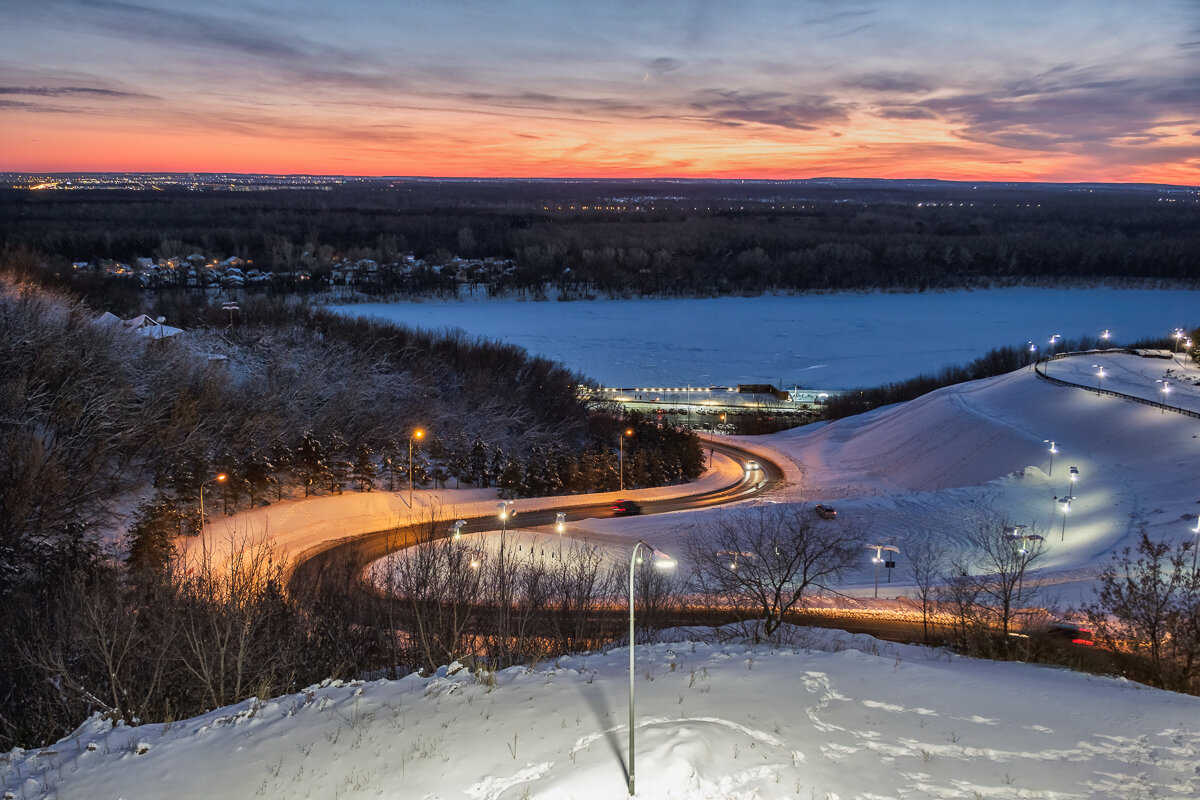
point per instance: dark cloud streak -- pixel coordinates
(84, 91)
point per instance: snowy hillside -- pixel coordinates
(927, 469)
(831, 716)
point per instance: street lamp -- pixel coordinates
(560, 527)
(1066, 509)
(624, 433)
(1053, 450)
(1165, 388)
(230, 307)
(221, 476)
(662, 562)
(456, 530)
(1196, 531)
(1106, 336)
(1099, 375)
(504, 510)
(416, 434)
(878, 559)
(1178, 337)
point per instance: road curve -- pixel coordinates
(351, 555)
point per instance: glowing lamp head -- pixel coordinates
(221, 476)
(662, 560)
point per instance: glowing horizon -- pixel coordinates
(1074, 91)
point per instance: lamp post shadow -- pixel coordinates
(603, 713)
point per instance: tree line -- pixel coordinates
(644, 238)
(997, 361)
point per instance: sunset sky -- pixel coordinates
(1086, 90)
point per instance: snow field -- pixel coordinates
(831, 716)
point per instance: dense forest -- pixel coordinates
(621, 238)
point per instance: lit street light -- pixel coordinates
(221, 476)
(624, 433)
(1196, 531)
(1053, 450)
(1066, 509)
(560, 527)
(417, 434)
(504, 510)
(663, 562)
(1099, 374)
(1165, 388)
(456, 530)
(878, 559)
(1106, 336)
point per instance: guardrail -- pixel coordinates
(1039, 369)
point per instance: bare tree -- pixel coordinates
(992, 588)
(439, 580)
(1148, 606)
(584, 588)
(926, 565)
(230, 637)
(103, 651)
(763, 559)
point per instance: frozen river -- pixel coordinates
(832, 341)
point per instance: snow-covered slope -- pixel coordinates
(932, 468)
(837, 717)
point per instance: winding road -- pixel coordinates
(352, 555)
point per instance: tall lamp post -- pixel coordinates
(1165, 388)
(1196, 531)
(416, 434)
(504, 510)
(560, 527)
(1066, 509)
(1053, 450)
(1099, 374)
(624, 433)
(662, 562)
(221, 476)
(878, 559)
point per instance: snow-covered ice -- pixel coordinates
(823, 341)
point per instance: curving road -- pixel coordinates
(352, 555)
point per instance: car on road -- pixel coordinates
(752, 466)
(625, 508)
(1070, 632)
(825, 512)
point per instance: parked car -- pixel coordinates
(625, 508)
(826, 512)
